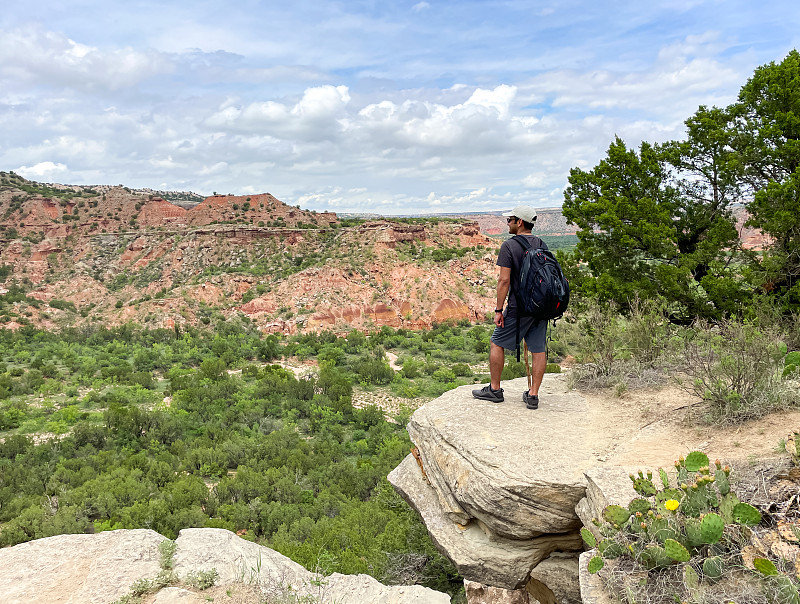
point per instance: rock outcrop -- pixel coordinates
(494, 495)
(101, 568)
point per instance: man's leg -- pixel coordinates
(538, 365)
(496, 361)
(500, 338)
(536, 339)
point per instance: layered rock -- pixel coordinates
(101, 568)
(498, 484)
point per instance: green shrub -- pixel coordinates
(374, 371)
(462, 370)
(736, 367)
(63, 305)
(202, 579)
(513, 369)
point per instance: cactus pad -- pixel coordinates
(726, 505)
(664, 478)
(666, 495)
(711, 526)
(744, 513)
(616, 514)
(676, 551)
(595, 564)
(765, 567)
(723, 483)
(696, 460)
(610, 549)
(713, 567)
(588, 537)
(639, 505)
(694, 534)
(690, 578)
(654, 556)
(785, 590)
(644, 486)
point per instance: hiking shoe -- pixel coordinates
(487, 393)
(531, 401)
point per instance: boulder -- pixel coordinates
(518, 472)
(101, 568)
(497, 484)
(559, 572)
(240, 561)
(478, 555)
(477, 593)
(95, 569)
(535, 592)
(593, 590)
(177, 595)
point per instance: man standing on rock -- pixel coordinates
(520, 222)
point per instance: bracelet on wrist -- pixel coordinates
(498, 310)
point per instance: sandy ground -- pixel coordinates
(652, 428)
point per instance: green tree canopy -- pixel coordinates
(656, 223)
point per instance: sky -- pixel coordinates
(388, 107)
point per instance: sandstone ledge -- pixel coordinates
(498, 483)
(478, 556)
(100, 568)
(517, 471)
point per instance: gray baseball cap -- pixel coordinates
(527, 213)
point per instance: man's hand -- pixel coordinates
(499, 320)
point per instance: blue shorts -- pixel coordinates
(534, 333)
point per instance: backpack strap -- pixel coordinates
(526, 245)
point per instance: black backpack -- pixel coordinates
(542, 291)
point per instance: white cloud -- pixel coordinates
(420, 6)
(316, 116)
(42, 170)
(52, 59)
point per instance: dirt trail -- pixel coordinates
(652, 428)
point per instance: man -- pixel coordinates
(520, 222)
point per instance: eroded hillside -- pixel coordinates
(75, 255)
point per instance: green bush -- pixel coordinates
(736, 367)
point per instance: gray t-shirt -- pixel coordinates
(510, 256)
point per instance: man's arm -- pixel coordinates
(503, 285)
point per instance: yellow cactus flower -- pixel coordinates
(671, 504)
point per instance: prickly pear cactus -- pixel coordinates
(711, 527)
(780, 589)
(680, 524)
(640, 505)
(616, 514)
(696, 460)
(722, 478)
(694, 534)
(595, 564)
(713, 567)
(655, 556)
(610, 549)
(726, 505)
(644, 485)
(744, 513)
(676, 551)
(664, 478)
